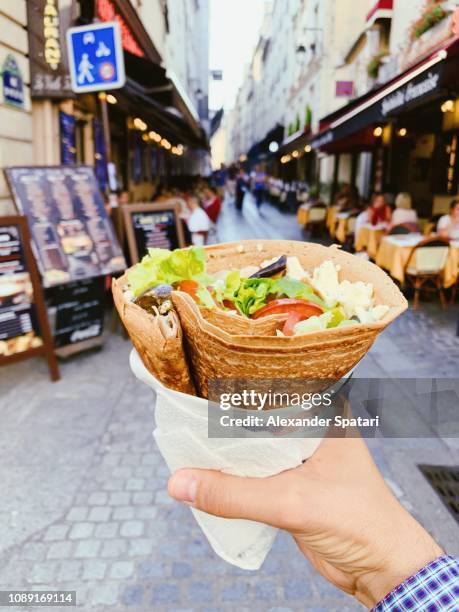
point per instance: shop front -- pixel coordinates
(401, 137)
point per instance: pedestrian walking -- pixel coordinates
(258, 185)
(241, 187)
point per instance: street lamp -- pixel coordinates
(273, 146)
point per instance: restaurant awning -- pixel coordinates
(157, 88)
(260, 149)
(433, 77)
(295, 141)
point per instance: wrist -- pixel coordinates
(412, 549)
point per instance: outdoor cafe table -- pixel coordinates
(342, 220)
(394, 251)
(368, 237)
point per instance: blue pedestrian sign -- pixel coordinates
(96, 57)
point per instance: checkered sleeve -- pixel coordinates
(435, 587)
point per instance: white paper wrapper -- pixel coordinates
(181, 435)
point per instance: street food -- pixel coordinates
(277, 309)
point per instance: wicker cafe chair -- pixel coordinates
(424, 268)
(404, 228)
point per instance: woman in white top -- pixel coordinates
(448, 225)
(198, 222)
(403, 212)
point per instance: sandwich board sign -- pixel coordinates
(96, 57)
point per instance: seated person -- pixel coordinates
(403, 212)
(448, 225)
(212, 204)
(379, 211)
(197, 221)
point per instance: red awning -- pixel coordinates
(382, 7)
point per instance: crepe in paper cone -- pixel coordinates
(157, 339)
(223, 345)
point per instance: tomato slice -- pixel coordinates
(229, 304)
(293, 319)
(288, 306)
(190, 287)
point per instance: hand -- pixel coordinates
(337, 507)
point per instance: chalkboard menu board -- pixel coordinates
(77, 310)
(72, 236)
(150, 226)
(24, 329)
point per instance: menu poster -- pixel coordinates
(151, 226)
(77, 310)
(24, 329)
(72, 236)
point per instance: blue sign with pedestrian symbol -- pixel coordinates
(96, 57)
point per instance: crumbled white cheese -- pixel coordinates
(295, 270)
(353, 295)
(259, 247)
(325, 281)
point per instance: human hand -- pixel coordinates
(337, 507)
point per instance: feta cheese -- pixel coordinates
(295, 270)
(325, 281)
(354, 295)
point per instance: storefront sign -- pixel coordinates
(344, 89)
(413, 91)
(46, 23)
(24, 330)
(67, 125)
(77, 310)
(151, 226)
(72, 236)
(107, 11)
(322, 140)
(13, 87)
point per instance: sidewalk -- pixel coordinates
(84, 502)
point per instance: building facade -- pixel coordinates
(366, 93)
(16, 146)
(166, 93)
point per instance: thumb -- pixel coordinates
(258, 499)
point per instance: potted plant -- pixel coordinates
(375, 63)
(433, 13)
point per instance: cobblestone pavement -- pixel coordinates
(84, 502)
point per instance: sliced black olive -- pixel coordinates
(154, 297)
(275, 268)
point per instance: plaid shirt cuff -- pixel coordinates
(435, 587)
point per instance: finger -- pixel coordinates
(266, 500)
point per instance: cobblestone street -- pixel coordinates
(84, 501)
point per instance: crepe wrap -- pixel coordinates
(182, 437)
(224, 345)
(157, 339)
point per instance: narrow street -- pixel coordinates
(84, 503)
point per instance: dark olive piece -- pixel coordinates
(275, 268)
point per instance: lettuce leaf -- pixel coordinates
(295, 289)
(168, 267)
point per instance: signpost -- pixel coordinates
(24, 328)
(150, 226)
(96, 57)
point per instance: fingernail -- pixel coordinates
(183, 487)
